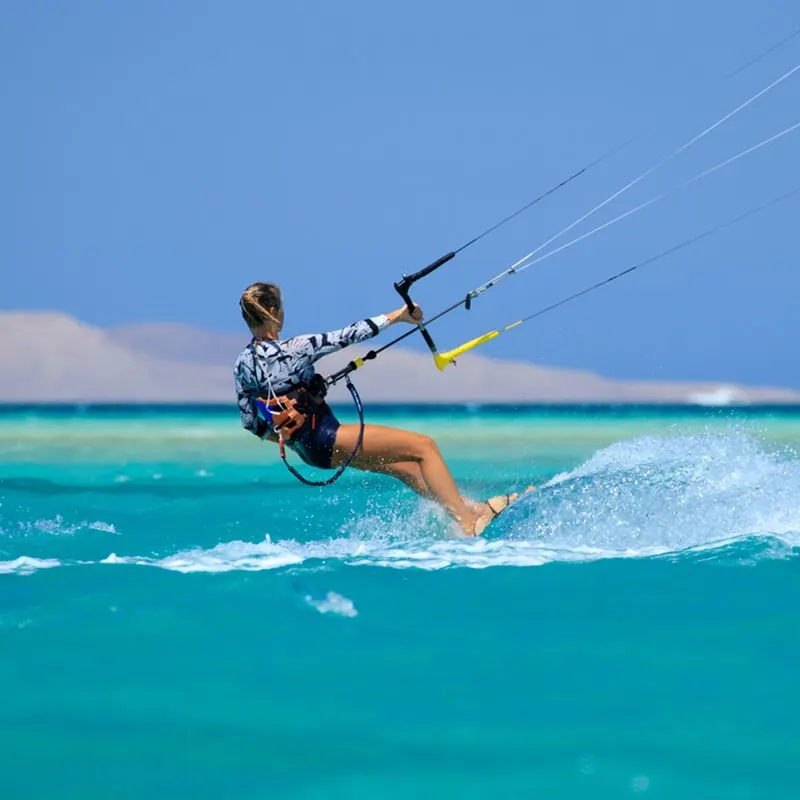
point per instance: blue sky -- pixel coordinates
(158, 157)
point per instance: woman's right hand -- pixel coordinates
(404, 315)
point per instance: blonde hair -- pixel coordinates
(260, 303)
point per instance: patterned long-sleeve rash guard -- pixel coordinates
(283, 363)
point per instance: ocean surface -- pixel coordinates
(180, 617)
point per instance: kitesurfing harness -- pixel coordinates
(288, 413)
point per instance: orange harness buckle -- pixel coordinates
(287, 419)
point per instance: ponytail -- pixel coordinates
(260, 303)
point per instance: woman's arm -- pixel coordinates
(311, 347)
(299, 352)
(245, 385)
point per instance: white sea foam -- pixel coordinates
(671, 493)
(222, 558)
(102, 526)
(56, 526)
(24, 565)
(333, 603)
(475, 554)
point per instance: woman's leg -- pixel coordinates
(411, 475)
(408, 472)
(387, 447)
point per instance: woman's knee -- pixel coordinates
(425, 447)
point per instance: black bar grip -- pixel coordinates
(402, 288)
(431, 267)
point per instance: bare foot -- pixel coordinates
(482, 508)
(474, 505)
(494, 506)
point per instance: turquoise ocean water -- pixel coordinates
(179, 617)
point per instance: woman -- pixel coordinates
(282, 370)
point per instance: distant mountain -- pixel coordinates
(52, 357)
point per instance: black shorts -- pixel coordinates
(315, 440)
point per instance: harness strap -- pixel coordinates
(289, 419)
(351, 455)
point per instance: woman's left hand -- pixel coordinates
(404, 315)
